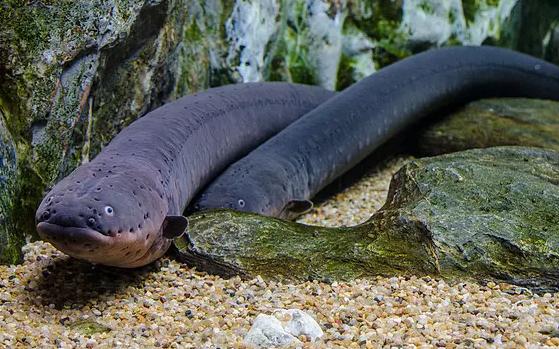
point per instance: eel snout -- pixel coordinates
(75, 241)
(103, 221)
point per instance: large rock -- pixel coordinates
(74, 73)
(493, 122)
(487, 213)
(335, 43)
(10, 241)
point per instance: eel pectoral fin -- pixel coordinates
(174, 226)
(295, 208)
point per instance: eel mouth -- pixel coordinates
(74, 241)
(124, 250)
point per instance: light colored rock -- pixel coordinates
(300, 323)
(249, 30)
(440, 22)
(267, 331)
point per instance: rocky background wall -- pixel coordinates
(74, 73)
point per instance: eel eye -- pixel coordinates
(109, 210)
(241, 202)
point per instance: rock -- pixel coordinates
(552, 49)
(10, 241)
(282, 328)
(530, 27)
(483, 214)
(299, 323)
(493, 122)
(89, 327)
(267, 331)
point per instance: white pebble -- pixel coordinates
(267, 331)
(301, 323)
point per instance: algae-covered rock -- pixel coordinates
(494, 122)
(487, 213)
(10, 241)
(335, 43)
(74, 73)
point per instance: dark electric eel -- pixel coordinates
(125, 207)
(279, 177)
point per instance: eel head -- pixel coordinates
(109, 215)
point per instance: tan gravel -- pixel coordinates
(51, 301)
(357, 203)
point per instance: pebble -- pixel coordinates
(172, 306)
(267, 331)
(298, 323)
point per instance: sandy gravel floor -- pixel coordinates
(357, 203)
(54, 301)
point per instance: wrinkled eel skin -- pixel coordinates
(124, 208)
(279, 177)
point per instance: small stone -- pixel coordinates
(301, 324)
(267, 331)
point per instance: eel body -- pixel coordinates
(125, 206)
(279, 177)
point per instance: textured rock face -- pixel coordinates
(532, 28)
(484, 213)
(335, 43)
(74, 73)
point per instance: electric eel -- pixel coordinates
(125, 206)
(280, 176)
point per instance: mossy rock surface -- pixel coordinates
(481, 214)
(494, 122)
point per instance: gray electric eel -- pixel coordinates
(125, 207)
(279, 177)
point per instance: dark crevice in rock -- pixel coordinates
(147, 25)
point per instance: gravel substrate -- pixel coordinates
(54, 301)
(357, 203)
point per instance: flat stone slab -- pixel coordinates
(494, 122)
